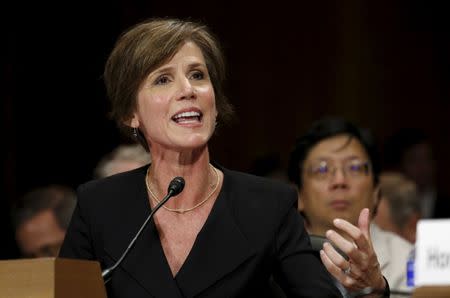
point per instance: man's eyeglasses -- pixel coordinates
(324, 170)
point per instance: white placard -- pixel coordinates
(433, 252)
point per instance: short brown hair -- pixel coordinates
(60, 199)
(145, 47)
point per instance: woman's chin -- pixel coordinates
(192, 143)
(198, 140)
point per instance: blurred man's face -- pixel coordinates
(41, 236)
(337, 183)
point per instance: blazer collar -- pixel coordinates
(145, 262)
(219, 248)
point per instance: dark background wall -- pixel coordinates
(382, 64)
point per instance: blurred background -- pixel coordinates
(383, 64)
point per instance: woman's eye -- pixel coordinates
(162, 80)
(198, 75)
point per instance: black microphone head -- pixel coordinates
(176, 186)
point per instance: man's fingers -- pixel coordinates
(346, 266)
(336, 272)
(364, 222)
(346, 246)
(335, 257)
(355, 233)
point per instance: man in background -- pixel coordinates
(41, 218)
(399, 208)
(410, 152)
(123, 158)
(336, 167)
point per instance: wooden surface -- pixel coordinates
(51, 278)
(432, 292)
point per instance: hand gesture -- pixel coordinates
(362, 269)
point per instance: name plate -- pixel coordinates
(433, 252)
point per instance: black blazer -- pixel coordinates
(252, 233)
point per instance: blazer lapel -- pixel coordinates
(145, 262)
(219, 248)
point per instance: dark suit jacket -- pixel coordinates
(252, 233)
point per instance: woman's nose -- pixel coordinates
(186, 90)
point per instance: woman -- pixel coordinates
(226, 233)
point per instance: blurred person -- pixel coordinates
(399, 208)
(227, 233)
(409, 151)
(123, 158)
(336, 166)
(41, 218)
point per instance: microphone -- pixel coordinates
(175, 187)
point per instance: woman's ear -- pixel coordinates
(132, 122)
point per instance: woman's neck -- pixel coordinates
(200, 178)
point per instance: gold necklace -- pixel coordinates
(181, 211)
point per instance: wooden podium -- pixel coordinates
(51, 278)
(432, 292)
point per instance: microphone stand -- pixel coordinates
(106, 274)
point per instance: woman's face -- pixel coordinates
(176, 105)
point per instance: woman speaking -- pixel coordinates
(227, 234)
